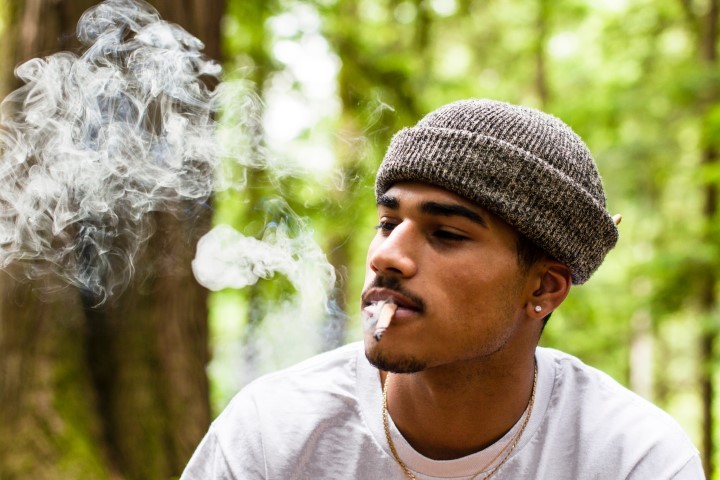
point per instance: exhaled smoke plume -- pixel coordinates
(91, 144)
(227, 259)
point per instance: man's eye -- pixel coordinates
(445, 235)
(385, 227)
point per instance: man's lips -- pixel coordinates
(384, 294)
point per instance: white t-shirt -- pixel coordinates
(322, 419)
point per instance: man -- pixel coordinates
(488, 213)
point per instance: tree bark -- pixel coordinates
(48, 425)
(642, 341)
(708, 297)
(541, 84)
(119, 392)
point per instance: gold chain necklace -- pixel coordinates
(507, 449)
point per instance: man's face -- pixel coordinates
(452, 269)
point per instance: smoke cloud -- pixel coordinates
(227, 259)
(92, 144)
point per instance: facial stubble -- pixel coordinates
(394, 365)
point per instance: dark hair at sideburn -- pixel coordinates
(528, 255)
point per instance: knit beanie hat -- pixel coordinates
(525, 166)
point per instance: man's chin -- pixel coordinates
(389, 362)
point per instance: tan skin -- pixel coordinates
(466, 317)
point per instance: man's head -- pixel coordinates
(525, 166)
(488, 212)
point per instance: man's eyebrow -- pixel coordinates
(388, 201)
(451, 210)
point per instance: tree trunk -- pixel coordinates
(48, 425)
(708, 297)
(541, 23)
(642, 342)
(119, 392)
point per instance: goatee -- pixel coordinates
(394, 365)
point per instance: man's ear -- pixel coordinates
(550, 283)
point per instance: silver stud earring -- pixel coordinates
(538, 308)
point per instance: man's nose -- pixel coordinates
(396, 253)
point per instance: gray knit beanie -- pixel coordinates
(527, 167)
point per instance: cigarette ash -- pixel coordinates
(377, 317)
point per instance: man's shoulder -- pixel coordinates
(305, 421)
(339, 361)
(602, 414)
(290, 403)
(326, 374)
(588, 387)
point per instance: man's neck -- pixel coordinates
(454, 411)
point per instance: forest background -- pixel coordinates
(126, 391)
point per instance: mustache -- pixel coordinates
(394, 284)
